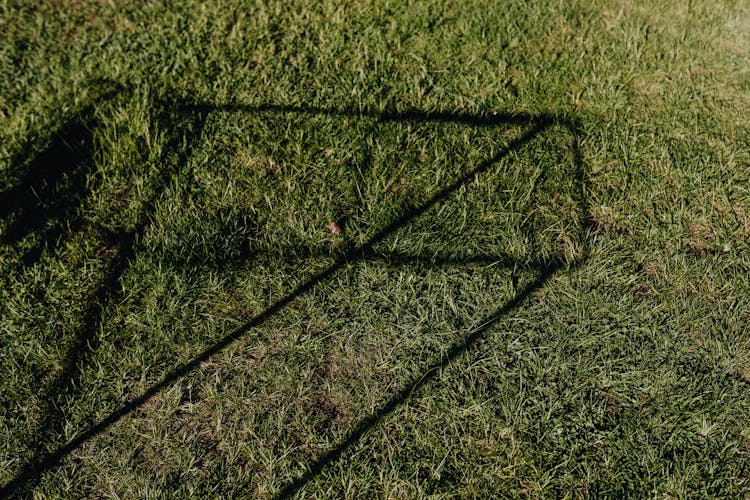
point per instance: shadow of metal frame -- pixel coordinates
(534, 126)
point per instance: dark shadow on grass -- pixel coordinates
(418, 382)
(52, 170)
(45, 201)
(534, 125)
(545, 272)
(122, 244)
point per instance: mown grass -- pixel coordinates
(540, 286)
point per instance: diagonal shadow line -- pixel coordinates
(355, 253)
(546, 272)
(416, 383)
(429, 373)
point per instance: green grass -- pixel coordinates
(541, 286)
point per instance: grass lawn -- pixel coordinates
(374, 249)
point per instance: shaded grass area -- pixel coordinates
(539, 287)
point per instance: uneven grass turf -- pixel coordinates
(536, 284)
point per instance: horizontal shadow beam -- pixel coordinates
(413, 115)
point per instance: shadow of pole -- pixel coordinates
(535, 125)
(417, 383)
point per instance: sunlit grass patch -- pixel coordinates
(374, 249)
